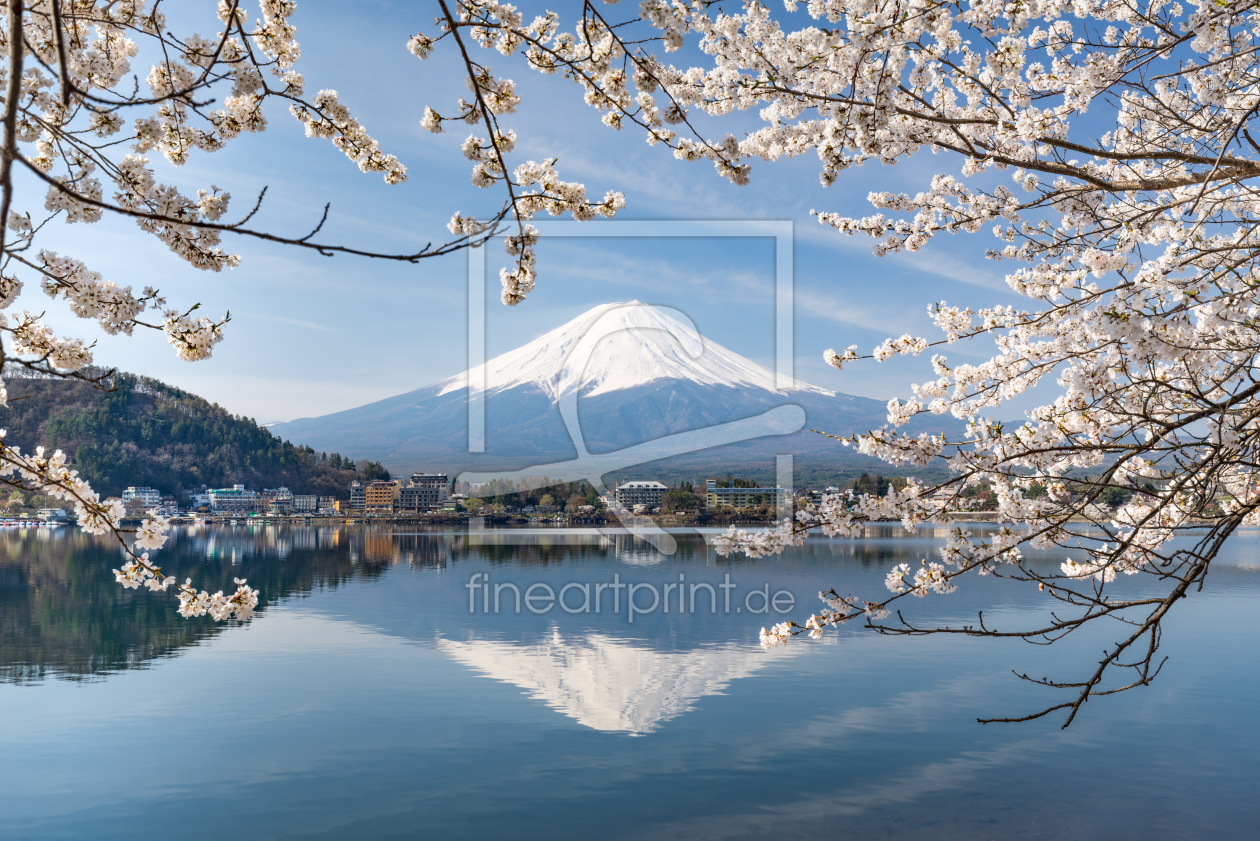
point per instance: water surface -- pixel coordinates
(366, 701)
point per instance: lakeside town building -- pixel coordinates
(437, 481)
(380, 495)
(424, 492)
(198, 498)
(419, 494)
(148, 497)
(648, 494)
(235, 498)
(741, 498)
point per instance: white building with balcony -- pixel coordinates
(649, 494)
(235, 498)
(148, 497)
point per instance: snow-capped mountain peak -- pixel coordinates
(627, 374)
(620, 346)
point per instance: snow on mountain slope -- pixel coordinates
(639, 344)
(639, 373)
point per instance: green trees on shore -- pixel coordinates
(145, 432)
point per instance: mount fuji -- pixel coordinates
(637, 374)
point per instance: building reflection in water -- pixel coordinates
(418, 551)
(62, 613)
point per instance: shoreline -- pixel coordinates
(494, 520)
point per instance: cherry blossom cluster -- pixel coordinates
(757, 544)
(327, 117)
(152, 532)
(31, 337)
(930, 577)
(837, 360)
(239, 605)
(138, 573)
(777, 635)
(839, 610)
(89, 296)
(192, 338)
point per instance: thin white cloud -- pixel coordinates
(963, 271)
(279, 319)
(838, 308)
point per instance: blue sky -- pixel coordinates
(312, 335)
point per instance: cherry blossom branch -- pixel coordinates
(326, 249)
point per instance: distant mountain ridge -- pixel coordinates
(648, 376)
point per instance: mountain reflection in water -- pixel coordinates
(609, 684)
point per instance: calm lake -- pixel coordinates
(378, 695)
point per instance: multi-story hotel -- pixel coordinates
(380, 495)
(715, 497)
(651, 494)
(425, 492)
(235, 498)
(148, 497)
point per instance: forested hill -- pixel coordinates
(145, 432)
